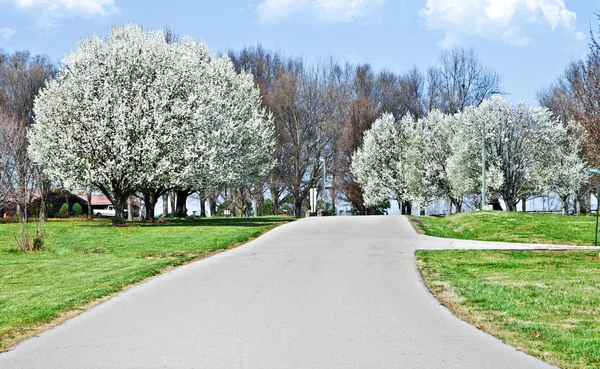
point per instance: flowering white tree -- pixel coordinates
(464, 164)
(231, 141)
(438, 131)
(563, 171)
(378, 165)
(113, 100)
(521, 145)
(137, 112)
(417, 190)
(233, 144)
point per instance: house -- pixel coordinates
(57, 199)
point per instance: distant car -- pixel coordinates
(108, 212)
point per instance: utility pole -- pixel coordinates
(324, 186)
(483, 197)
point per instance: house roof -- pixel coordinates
(97, 199)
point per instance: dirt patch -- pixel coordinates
(415, 223)
(96, 250)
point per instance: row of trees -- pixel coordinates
(144, 112)
(150, 114)
(575, 97)
(21, 77)
(528, 151)
(321, 113)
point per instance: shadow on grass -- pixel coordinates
(202, 222)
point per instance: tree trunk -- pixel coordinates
(68, 205)
(298, 207)
(119, 207)
(45, 188)
(259, 202)
(458, 205)
(511, 205)
(43, 213)
(524, 204)
(150, 200)
(172, 201)
(422, 210)
(166, 204)
(274, 200)
(90, 213)
(565, 204)
(181, 207)
(212, 203)
(495, 202)
(129, 209)
(448, 207)
(202, 196)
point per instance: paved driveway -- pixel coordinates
(339, 292)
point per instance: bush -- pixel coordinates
(64, 211)
(77, 210)
(268, 207)
(30, 240)
(51, 211)
(9, 220)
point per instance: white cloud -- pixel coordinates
(327, 11)
(499, 19)
(6, 33)
(49, 12)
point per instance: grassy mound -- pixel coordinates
(511, 227)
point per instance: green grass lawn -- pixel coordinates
(84, 261)
(511, 227)
(545, 303)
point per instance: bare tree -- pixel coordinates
(9, 130)
(564, 99)
(267, 67)
(21, 77)
(362, 115)
(460, 80)
(300, 119)
(401, 94)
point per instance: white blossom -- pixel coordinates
(378, 164)
(134, 111)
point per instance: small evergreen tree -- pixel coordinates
(64, 211)
(77, 210)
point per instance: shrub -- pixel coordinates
(9, 220)
(64, 211)
(52, 213)
(77, 210)
(268, 207)
(30, 240)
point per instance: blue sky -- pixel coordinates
(529, 42)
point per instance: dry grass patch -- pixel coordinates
(544, 303)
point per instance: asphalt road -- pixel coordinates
(340, 292)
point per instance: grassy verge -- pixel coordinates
(511, 227)
(545, 303)
(86, 261)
